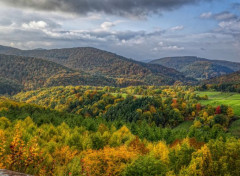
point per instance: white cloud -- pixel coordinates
(232, 26)
(177, 28)
(219, 16)
(160, 43)
(224, 16)
(30, 44)
(35, 25)
(106, 25)
(206, 15)
(173, 48)
(162, 46)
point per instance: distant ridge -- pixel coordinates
(233, 78)
(102, 63)
(199, 68)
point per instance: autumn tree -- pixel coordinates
(108, 161)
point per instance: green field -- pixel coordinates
(218, 98)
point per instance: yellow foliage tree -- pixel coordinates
(2, 149)
(121, 136)
(201, 163)
(160, 151)
(193, 114)
(108, 161)
(64, 155)
(184, 105)
(230, 112)
(197, 124)
(152, 109)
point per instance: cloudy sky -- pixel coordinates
(138, 29)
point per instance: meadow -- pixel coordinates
(226, 98)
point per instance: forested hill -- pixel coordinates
(8, 50)
(95, 61)
(198, 68)
(18, 72)
(233, 78)
(8, 86)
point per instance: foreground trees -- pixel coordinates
(59, 150)
(116, 132)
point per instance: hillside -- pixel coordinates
(8, 50)
(99, 62)
(198, 68)
(233, 78)
(204, 70)
(8, 86)
(32, 73)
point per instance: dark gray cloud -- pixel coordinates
(114, 7)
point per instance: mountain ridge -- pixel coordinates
(233, 78)
(99, 62)
(197, 67)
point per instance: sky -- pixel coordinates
(137, 29)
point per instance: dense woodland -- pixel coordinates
(143, 130)
(31, 73)
(8, 86)
(87, 66)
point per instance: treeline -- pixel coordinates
(225, 87)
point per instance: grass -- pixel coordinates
(218, 98)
